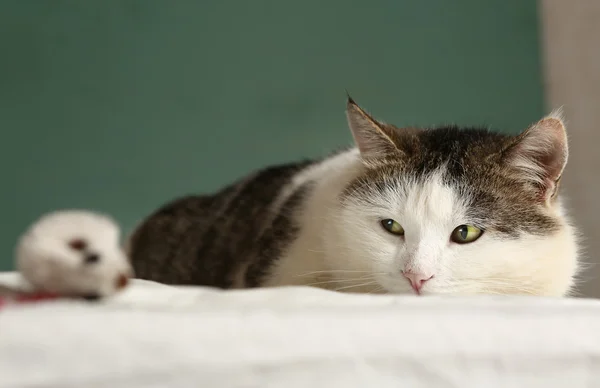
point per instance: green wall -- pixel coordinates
(121, 105)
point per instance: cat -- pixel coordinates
(427, 211)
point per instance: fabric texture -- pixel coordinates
(153, 335)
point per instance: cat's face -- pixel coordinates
(459, 211)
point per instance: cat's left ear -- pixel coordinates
(541, 154)
(373, 139)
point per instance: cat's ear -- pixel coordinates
(540, 153)
(373, 139)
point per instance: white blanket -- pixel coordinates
(158, 336)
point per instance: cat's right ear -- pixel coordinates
(372, 138)
(540, 153)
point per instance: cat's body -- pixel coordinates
(446, 210)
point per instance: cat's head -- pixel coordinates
(459, 210)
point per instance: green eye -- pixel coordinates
(465, 234)
(393, 227)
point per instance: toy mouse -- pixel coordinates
(71, 253)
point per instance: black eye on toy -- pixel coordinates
(78, 244)
(91, 297)
(91, 258)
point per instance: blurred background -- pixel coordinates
(120, 106)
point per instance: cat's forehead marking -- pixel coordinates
(431, 198)
(489, 195)
(425, 205)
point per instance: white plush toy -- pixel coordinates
(73, 253)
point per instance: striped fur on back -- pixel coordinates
(228, 239)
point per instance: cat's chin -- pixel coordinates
(409, 291)
(399, 287)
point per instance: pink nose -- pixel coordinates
(416, 280)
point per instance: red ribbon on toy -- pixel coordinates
(28, 298)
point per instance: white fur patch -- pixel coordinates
(347, 249)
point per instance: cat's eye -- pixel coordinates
(464, 234)
(393, 227)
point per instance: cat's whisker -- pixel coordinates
(377, 289)
(355, 286)
(334, 281)
(490, 288)
(485, 281)
(331, 271)
(501, 286)
(480, 284)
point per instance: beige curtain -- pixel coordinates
(571, 50)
